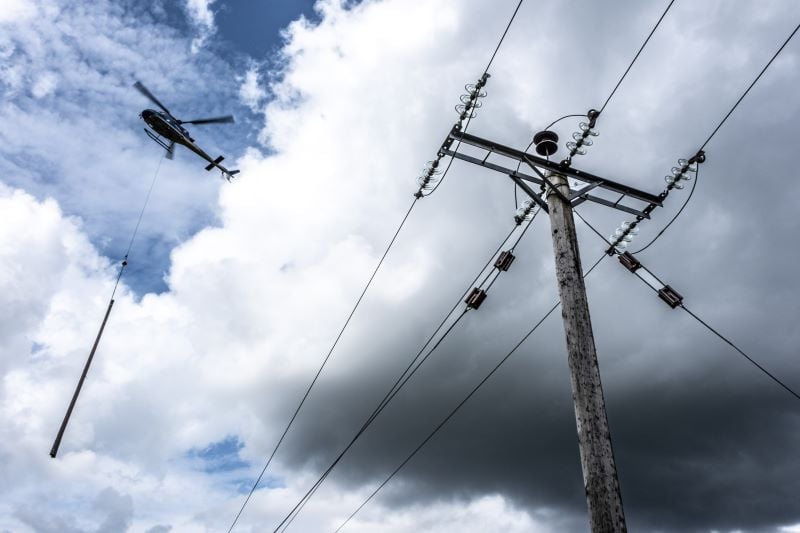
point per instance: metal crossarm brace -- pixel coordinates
(550, 187)
(530, 192)
(581, 193)
(538, 164)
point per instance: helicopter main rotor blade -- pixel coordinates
(142, 89)
(227, 119)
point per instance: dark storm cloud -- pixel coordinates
(702, 439)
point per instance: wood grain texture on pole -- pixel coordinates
(594, 439)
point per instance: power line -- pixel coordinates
(502, 37)
(322, 366)
(420, 194)
(590, 226)
(483, 77)
(460, 404)
(474, 94)
(732, 345)
(716, 129)
(720, 335)
(751, 86)
(682, 306)
(381, 406)
(582, 140)
(637, 55)
(603, 238)
(413, 366)
(675, 217)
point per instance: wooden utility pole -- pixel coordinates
(597, 457)
(594, 440)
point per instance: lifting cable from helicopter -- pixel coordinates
(123, 265)
(168, 131)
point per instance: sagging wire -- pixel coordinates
(675, 216)
(466, 113)
(452, 413)
(432, 175)
(583, 137)
(430, 179)
(625, 233)
(325, 360)
(674, 299)
(474, 298)
(679, 173)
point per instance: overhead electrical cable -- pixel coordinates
(714, 132)
(675, 217)
(460, 404)
(414, 365)
(322, 366)
(720, 335)
(503, 37)
(701, 321)
(468, 113)
(741, 352)
(582, 138)
(123, 265)
(484, 77)
(775, 55)
(295, 511)
(636, 56)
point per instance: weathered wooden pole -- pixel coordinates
(57, 442)
(594, 439)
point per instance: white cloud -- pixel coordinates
(488, 513)
(201, 16)
(251, 91)
(362, 102)
(16, 10)
(44, 85)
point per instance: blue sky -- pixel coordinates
(246, 35)
(253, 28)
(236, 291)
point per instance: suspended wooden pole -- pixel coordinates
(57, 443)
(63, 428)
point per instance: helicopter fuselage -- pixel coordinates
(169, 128)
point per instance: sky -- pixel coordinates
(236, 291)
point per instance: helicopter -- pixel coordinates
(169, 130)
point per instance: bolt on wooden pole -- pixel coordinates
(594, 439)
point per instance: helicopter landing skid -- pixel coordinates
(157, 139)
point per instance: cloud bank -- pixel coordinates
(193, 384)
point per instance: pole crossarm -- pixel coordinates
(541, 165)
